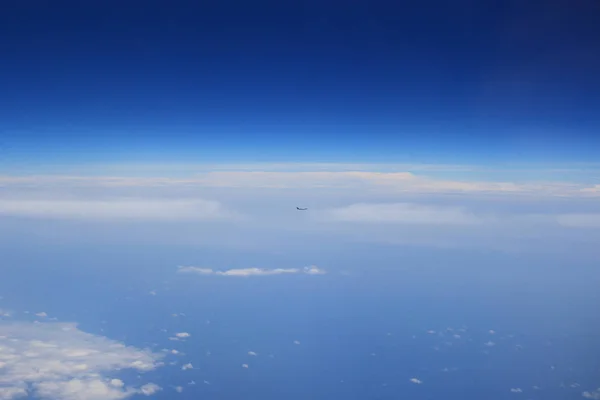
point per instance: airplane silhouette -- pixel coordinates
(301, 209)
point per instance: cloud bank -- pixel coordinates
(59, 361)
(409, 213)
(244, 272)
(116, 208)
(289, 177)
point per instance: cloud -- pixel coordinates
(516, 390)
(312, 270)
(59, 361)
(404, 213)
(252, 353)
(395, 178)
(149, 389)
(594, 394)
(116, 208)
(416, 381)
(591, 220)
(187, 366)
(180, 335)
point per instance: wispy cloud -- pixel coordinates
(312, 270)
(59, 361)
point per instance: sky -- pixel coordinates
(153, 156)
(271, 81)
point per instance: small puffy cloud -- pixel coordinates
(178, 389)
(41, 314)
(149, 389)
(116, 208)
(117, 383)
(252, 353)
(182, 335)
(416, 381)
(490, 343)
(516, 390)
(403, 213)
(187, 366)
(296, 342)
(245, 366)
(244, 272)
(594, 394)
(492, 332)
(59, 361)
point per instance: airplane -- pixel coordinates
(301, 209)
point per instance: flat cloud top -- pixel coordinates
(312, 270)
(58, 361)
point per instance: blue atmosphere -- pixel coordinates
(467, 81)
(299, 200)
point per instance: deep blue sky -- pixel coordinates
(386, 81)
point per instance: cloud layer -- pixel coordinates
(281, 177)
(404, 213)
(312, 270)
(117, 208)
(59, 361)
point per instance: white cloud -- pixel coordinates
(245, 366)
(182, 335)
(252, 353)
(59, 361)
(187, 366)
(312, 270)
(406, 213)
(516, 390)
(41, 314)
(178, 389)
(594, 394)
(149, 389)
(116, 208)
(416, 381)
